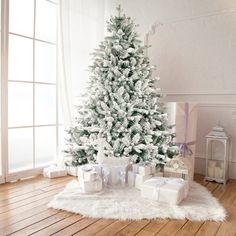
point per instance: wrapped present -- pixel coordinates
(89, 172)
(144, 168)
(118, 174)
(179, 167)
(54, 171)
(131, 178)
(72, 170)
(90, 178)
(139, 180)
(118, 169)
(168, 190)
(186, 124)
(91, 186)
(141, 172)
(158, 174)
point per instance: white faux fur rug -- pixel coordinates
(127, 203)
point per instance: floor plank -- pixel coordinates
(152, 228)
(133, 228)
(171, 227)
(78, 226)
(42, 224)
(95, 227)
(27, 222)
(113, 228)
(23, 211)
(59, 225)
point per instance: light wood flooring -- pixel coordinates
(23, 211)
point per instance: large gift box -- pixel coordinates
(117, 174)
(139, 180)
(186, 128)
(168, 190)
(117, 170)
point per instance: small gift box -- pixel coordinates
(158, 174)
(72, 170)
(144, 168)
(131, 178)
(54, 172)
(89, 172)
(91, 186)
(168, 190)
(139, 180)
(179, 167)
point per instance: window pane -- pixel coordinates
(20, 149)
(21, 18)
(45, 62)
(45, 104)
(45, 28)
(20, 58)
(20, 109)
(45, 145)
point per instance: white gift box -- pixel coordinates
(89, 172)
(91, 186)
(179, 167)
(158, 174)
(54, 172)
(135, 168)
(139, 180)
(90, 176)
(72, 170)
(131, 178)
(117, 174)
(145, 170)
(168, 190)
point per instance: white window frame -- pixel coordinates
(6, 176)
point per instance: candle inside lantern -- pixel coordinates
(211, 163)
(221, 171)
(211, 171)
(218, 172)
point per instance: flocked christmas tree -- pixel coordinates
(122, 104)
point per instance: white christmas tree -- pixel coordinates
(122, 105)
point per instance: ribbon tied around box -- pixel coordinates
(162, 182)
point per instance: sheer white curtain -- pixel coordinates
(81, 28)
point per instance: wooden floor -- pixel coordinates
(23, 211)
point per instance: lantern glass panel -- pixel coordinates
(216, 159)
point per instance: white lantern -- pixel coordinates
(217, 155)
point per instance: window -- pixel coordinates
(32, 85)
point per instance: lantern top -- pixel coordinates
(217, 132)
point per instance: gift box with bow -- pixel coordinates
(168, 190)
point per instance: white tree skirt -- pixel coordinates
(127, 203)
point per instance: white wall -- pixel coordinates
(194, 48)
